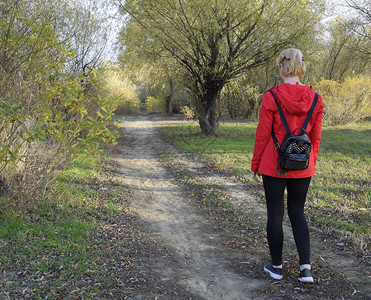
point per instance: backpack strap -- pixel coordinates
(275, 141)
(309, 115)
(287, 128)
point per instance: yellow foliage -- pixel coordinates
(123, 93)
(155, 105)
(345, 102)
(188, 112)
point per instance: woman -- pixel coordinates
(295, 100)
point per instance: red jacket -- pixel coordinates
(295, 101)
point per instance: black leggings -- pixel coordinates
(296, 195)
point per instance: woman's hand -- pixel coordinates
(253, 175)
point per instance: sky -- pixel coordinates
(336, 8)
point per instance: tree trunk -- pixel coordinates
(169, 98)
(208, 114)
(169, 106)
(232, 109)
(230, 105)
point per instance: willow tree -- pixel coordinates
(212, 42)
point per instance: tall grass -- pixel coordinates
(340, 192)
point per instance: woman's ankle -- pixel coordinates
(277, 266)
(305, 266)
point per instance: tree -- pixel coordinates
(344, 49)
(148, 67)
(84, 27)
(361, 24)
(239, 99)
(46, 111)
(213, 42)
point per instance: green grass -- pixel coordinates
(339, 196)
(231, 150)
(39, 248)
(55, 240)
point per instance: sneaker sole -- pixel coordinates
(273, 275)
(306, 279)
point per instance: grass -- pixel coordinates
(339, 196)
(53, 250)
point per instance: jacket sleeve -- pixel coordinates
(315, 133)
(263, 131)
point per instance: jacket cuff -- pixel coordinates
(254, 169)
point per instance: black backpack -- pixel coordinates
(293, 153)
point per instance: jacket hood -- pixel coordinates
(296, 99)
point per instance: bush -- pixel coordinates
(46, 113)
(188, 112)
(128, 106)
(345, 102)
(155, 105)
(123, 93)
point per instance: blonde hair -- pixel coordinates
(292, 61)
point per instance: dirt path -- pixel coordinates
(160, 203)
(201, 261)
